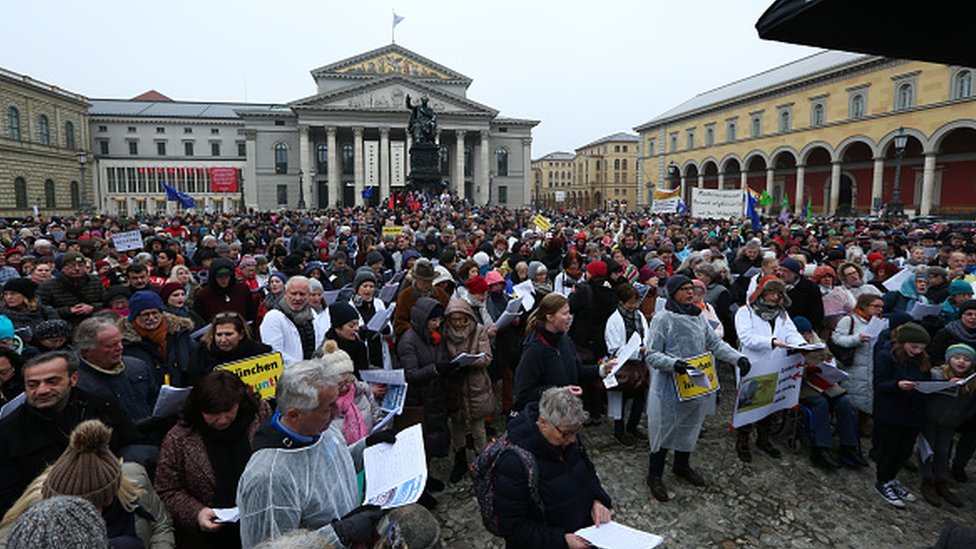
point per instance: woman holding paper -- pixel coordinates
(850, 334)
(679, 332)
(228, 340)
(766, 332)
(368, 305)
(203, 457)
(912, 291)
(626, 321)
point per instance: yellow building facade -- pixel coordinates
(552, 179)
(822, 129)
(604, 174)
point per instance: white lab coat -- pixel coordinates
(278, 331)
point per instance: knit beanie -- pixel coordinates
(957, 287)
(630, 273)
(247, 261)
(335, 359)
(342, 312)
(50, 329)
(363, 274)
(791, 264)
(802, 324)
(477, 285)
(535, 267)
(374, 256)
(675, 283)
(822, 271)
(168, 289)
(63, 522)
(280, 276)
(961, 349)
(27, 287)
(596, 269)
(966, 305)
(481, 258)
(87, 468)
(911, 332)
(6, 328)
(143, 300)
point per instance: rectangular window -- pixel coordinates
(730, 132)
(215, 148)
(279, 122)
(110, 175)
(161, 148)
(650, 148)
(691, 139)
(756, 126)
(616, 148)
(103, 146)
(282, 195)
(241, 148)
(709, 137)
(133, 148)
(625, 148)
(214, 131)
(503, 194)
(674, 142)
(160, 129)
(140, 205)
(188, 148)
(187, 130)
(102, 129)
(131, 129)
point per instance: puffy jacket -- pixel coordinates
(61, 294)
(418, 358)
(471, 391)
(180, 349)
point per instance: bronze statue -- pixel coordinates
(423, 122)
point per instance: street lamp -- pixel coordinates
(301, 190)
(897, 208)
(311, 181)
(82, 162)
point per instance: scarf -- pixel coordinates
(303, 322)
(481, 314)
(228, 451)
(865, 316)
(575, 274)
(551, 338)
(631, 322)
(353, 424)
(961, 333)
(157, 336)
(766, 311)
(542, 288)
(690, 309)
(435, 338)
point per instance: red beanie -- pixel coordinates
(477, 285)
(596, 269)
(167, 290)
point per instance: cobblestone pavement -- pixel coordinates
(768, 503)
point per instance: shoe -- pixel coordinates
(742, 447)
(690, 475)
(658, 490)
(903, 492)
(460, 469)
(887, 491)
(434, 485)
(766, 446)
(626, 439)
(930, 494)
(947, 494)
(851, 457)
(637, 434)
(824, 458)
(427, 500)
(959, 475)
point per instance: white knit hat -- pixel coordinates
(335, 359)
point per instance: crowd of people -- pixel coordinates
(90, 334)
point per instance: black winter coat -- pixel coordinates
(891, 404)
(180, 349)
(953, 332)
(206, 358)
(542, 366)
(57, 292)
(212, 299)
(418, 358)
(568, 486)
(591, 305)
(807, 302)
(135, 386)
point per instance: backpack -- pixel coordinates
(843, 355)
(483, 475)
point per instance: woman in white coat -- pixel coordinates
(765, 333)
(626, 321)
(849, 334)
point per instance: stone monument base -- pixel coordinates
(425, 175)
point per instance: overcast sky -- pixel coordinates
(584, 69)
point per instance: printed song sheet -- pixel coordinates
(396, 473)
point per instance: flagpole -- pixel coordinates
(393, 29)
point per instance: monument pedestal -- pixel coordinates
(425, 175)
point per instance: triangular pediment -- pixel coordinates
(389, 60)
(389, 93)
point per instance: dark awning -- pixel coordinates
(936, 31)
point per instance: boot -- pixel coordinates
(947, 494)
(851, 457)
(658, 490)
(824, 458)
(763, 443)
(434, 485)
(930, 494)
(460, 466)
(689, 474)
(742, 446)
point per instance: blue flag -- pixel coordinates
(367, 193)
(682, 207)
(183, 199)
(751, 204)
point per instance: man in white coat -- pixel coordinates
(294, 328)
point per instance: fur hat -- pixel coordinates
(767, 283)
(87, 468)
(64, 522)
(911, 332)
(335, 359)
(961, 349)
(143, 300)
(342, 312)
(423, 269)
(477, 285)
(23, 286)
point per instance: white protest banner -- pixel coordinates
(716, 203)
(129, 240)
(669, 205)
(771, 386)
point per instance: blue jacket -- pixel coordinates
(891, 404)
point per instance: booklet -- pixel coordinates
(230, 514)
(380, 319)
(396, 473)
(808, 347)
(614, 535)
(466, 359)
(170, 400)
(396, 388)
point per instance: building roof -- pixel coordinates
(812, 65)
(391, 59)
(43, 86)
(151, 95)
(556, 155)
(500, 120)
(168, 109)
(613, 138)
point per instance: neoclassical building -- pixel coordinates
(347, 143)
(43, 162)
(824, 127)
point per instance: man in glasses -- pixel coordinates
(74, 293)
(160, 339)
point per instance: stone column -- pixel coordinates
(770, 174)
(526, 171)
(743, 180)
(801, 171)
(357, 157)
(928, 185)
(834, 187)
(877, 183)
(384, 164)
(701, 180)
(481, 176)
(683, 186)
(721, 180)
(459, 165)
(335, 188)
(251, 197)
(306, 168)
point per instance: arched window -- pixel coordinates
(616, 163)
(857, 106)
(50, 200)
(348, 162)
(13, 125)
(906, 96)
(730, 137)
(75, 195)
(818, 114)
(962, 85)
(756, 126)
(43, 130)
(69, 135)
(20, 193)
(322, 158)
(281, 158)
(501, 161)
(623, 164)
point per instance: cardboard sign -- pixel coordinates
(687, 387)
(392, 230)
(260, 372)
(129, 240)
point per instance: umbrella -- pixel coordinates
(941, 32)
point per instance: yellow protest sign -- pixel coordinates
(665, 194)
(392, 230)
(260, 373)
(688, 388)
(541, 222)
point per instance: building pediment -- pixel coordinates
(389, 60)
(389, 93)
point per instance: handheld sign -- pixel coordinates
(689, 388)
(259, 372)
(129, 240)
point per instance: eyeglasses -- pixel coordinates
(566, 435)
(149, 314)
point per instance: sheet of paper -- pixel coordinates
(659, 304)
(380, 319)
(396, 473)
(15, 403)
(383, 377)
(505, 319)
(331, 296)
(170, 400)
(830, 372)
(388, 292)
(699, 378)
(199, 333)
(230, 514)
(808, 347)
(896, 280)
(628, 351)
(615, 405)
(928, 387)
(514, 305)
(465, 359)
(922, 310)
(523, 290)
(875, 327)
(381, 424)
(614, 535)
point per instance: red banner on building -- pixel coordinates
(223, 180)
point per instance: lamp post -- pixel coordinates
(82, 163)
(897, 208)
(301, 190)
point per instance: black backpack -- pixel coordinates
(483, 475)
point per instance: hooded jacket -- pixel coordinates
(212, 299)
(419, 356)
(470, 392)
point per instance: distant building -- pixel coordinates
(824, 128)
(605, 174)
(553, 179)
(43, 132)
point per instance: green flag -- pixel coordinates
(806, 210)
(765, 199)
(785, 205)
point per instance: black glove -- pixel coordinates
(446, 368)
(380, 437)
(359, 525)
(681, 367)
(744, 366)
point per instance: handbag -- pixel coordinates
(632, 376)
(843, 355)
